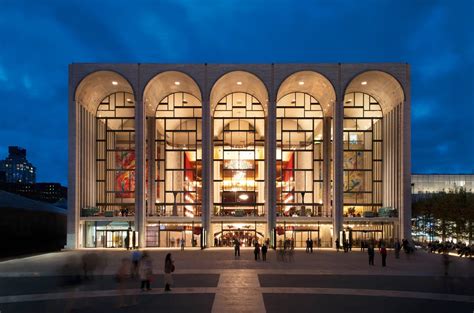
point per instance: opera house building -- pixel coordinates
(210, 153)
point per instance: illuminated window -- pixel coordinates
(299, 155)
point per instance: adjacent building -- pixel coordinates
(16, 168)
(45, 192)
(212, 152)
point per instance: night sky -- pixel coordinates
(39, 40)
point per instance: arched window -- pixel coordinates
(299, 155)
(362, 154)
(115, 154)
(239, 168)
(178, 155)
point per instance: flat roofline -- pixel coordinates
(238, 63)
(446, 174)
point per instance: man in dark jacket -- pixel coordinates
(371, 253)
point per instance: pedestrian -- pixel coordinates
(311, 245)
(145, 271)
(345, 246)
(307, 245)
(397, 249)
(446, 262)
(136, 256)
(256, 251)
(383, 253)
(371, 253)
(236, 247)
(337, 245)
(182, 244)
(121, 278)
(264, 252)
(169, 269)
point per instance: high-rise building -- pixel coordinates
(17, 168)
(210, 153)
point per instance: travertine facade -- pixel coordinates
(210, 153)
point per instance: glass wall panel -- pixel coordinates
(299, 156)
(239, 158)
(115, 155)
(178, 156)
(362, 155)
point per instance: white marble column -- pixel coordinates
(151, 153)
(327, 166)
(140, 164)
(73, 178)
(338, 163)
(270, 179)
(207, 164)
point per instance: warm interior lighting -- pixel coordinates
(177, 83)
(244, 196)
(114, 83)
(239, 83)
(301, 83)
(363, 83)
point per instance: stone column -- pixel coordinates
(207, 164)
(405, 212)
(338, 163)
(151, 153)
(327, 166)
(270, 179)
(140, 185)
(73, 212)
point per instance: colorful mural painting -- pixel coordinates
(125, 174)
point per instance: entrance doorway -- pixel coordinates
(246, 237)
(299, 238)
(111, 238)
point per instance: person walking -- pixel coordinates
(264, 252)
(256, 251)
(236, 247)
(446, 262)
(169, 269)
(398, 247)
(383, 253)
(371, 253)
(145, 271)
(307, 245)
(182, 244)
(136, 256)
(337, 244)
(121, 278)
(310, 245)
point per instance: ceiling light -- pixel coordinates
(363, 83)
(177, 83)
(114, 83)
(244, 196)
(239, 83)
(301, 83)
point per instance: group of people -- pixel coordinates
(260, 250)
(141, 267)
(346, 245)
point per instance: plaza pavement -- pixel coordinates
(213, 280)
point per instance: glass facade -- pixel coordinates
(362, 154)
(178, 156)
(115, 155)
(299, 156)
(207, 158)
(239, 156)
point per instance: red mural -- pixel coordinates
(125, 175)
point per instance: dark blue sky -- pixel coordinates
(39, 40)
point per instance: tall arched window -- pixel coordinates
(239, 168)
(115, 154)
(299, 155)
(178, 155)
(362, 154)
